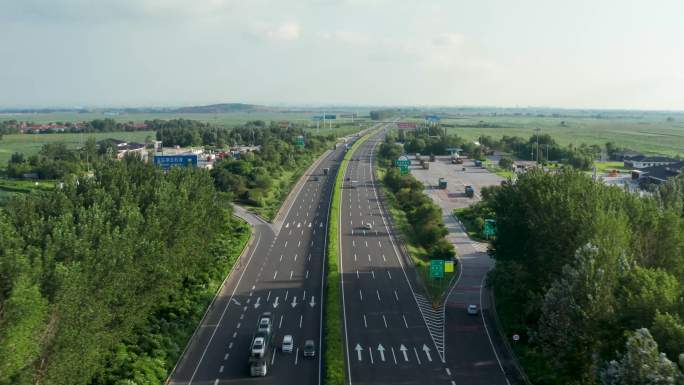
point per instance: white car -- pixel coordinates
(259, 347)
(472, 309)
(288, 343)
(368, 226)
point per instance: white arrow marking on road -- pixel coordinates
(403, 351)
(321, 225)
(299, 225)
(275, 303)
(313, 301)
(287, 225)
(236, 302)
(381, 349)
(257, 304)
(358, 349)
(309, 224)
(427, 352)
(294, 301)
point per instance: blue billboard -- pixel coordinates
(167, 161)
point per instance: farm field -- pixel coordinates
(30, 144)
(648, 134)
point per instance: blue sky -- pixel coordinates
(586, 54)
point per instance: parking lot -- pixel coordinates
(454, 195)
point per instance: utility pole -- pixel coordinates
(537, 130)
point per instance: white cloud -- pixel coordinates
(286, 31)
(449, 39)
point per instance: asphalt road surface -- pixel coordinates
(281, 273)
(392, 335)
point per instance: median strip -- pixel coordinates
(334, 350)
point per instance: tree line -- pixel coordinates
(591, 277)
(426, 222)
(102, 280)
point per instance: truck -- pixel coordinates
(432, 157)
(260, 348)
(455, 159)
(442, 183)
(469, 191)
(426, 166)
(326, 171)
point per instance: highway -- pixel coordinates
(392, 334)
(281, 272)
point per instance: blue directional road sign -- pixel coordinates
(183, 160)
(432, 118)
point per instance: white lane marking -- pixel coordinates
(281, 321)
(230, 345)
(353, 243)
(296, 356)
(370, 352)
(307, 275)
(309, 257)
(273, 356)
(365, 323)
(285, 243)
(383, 258)
(275, 274)
(216, 381)
(453, 382)
(379, 244)
(360, 295)
(291, 273)
(204, 352)
(487, 330)
(225, 356)
(378, 293)
(373, 273)
(394, 357)
(448, 372)
(299, 243)
(238, 325)
(287, 292)
(405, 323)
(221, 369)
(366, 243)
(295, 257)
(234, 334)
(354, 256)
(268, 296)
(384, 320)
(389, 274)
(357, 273)
(281, 258)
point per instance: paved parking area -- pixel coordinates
(454, 195)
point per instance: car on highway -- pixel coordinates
(472, 309)
(288, 344)
(368, 226)
(264, 323)
(315, 179)
(309, 348)
(258, 347)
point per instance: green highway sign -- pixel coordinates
(403, 170)
(437, 268)
(299, 141)
(489, 229)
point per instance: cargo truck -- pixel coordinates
(426, 166)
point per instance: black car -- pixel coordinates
(309, 348)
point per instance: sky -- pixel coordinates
(552, 53)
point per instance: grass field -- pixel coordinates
(647, 134)
(30, 144)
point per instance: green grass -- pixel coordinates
(647, 134)
(493, 167)
(30, 144)
(334, 348)
(604, 167)
(465, 216)
(13, 187)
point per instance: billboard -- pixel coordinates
(181, 160)
(406, 125)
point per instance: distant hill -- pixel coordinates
(222, 108)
